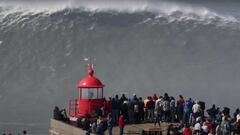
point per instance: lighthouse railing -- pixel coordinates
(73, 107)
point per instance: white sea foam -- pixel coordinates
(160, 8)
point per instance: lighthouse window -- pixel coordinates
(90, 93)
(100, 93)
(84, 93)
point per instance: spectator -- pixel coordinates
(235, 114)
(196, 110)
(187, 106)
(108, 105)
(209, 125)
(145, 101)
(150, 108)
(225, 126)
(204, 129)
(131, 111)
(115, 109)
(123, 98)
(154, 97)
(158, 114)
(187, 130)
(238, 117)
(121, 124)
(141, 109)
(166, 97)
(172, 108)
(100, 130)
(136, 112)
(110, 124)
(197, 127)
(134, 98)
(94, 126)
(60, 114)
(166, 108)
(212, 112)
(86, 126)
(159, 100)
(57, 113)
(124, 109)
(180, 103)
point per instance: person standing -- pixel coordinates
(110, 124)
(141, 109)
(179, 109)
(124, 109)
(100, 130)
(121, 124)
(150, 107)
(196, 109)
(172, 108)
(235, 114)
(158, 115)
(145, 101)
(136, 112)
(225, 126)
(212, 112)
(187, 106)
(115, 109)
(166, 109)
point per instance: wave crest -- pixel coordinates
(161, 9)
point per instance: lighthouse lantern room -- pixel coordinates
(90, 96)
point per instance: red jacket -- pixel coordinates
(210, 126)
(154, 98)
(187, 131)
(121, 121)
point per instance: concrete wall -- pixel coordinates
(61, 128)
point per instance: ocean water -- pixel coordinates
(143, 47)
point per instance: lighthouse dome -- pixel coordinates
(90, 81)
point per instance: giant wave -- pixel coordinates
(15, 12)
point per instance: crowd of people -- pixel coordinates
(188, 113)
(191, 115)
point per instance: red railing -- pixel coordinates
(73, 108)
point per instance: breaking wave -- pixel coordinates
(152, 11)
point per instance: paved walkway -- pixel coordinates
(132, 129)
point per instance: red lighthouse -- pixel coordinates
(90, 96)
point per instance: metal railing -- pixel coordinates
(73, 108)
